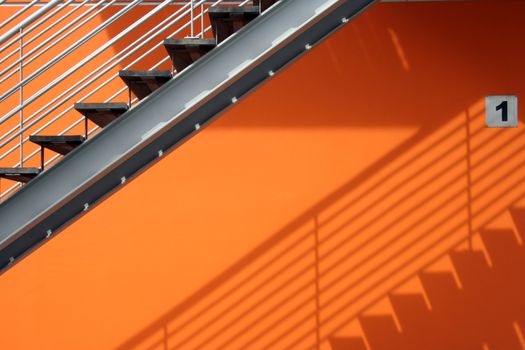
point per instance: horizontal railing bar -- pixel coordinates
(115, 63)
(122, 3)
(15, 15)
(27, 21)
(64, 53)
(46, 41)
(42, 32)
(135, 47)
(28, 30)
(203, 30)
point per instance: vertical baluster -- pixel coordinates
(21, 112)
(202, 20)
(192, 19)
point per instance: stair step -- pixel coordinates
(411, 311)
(142, 83)
(264, 4)
(19, 174)
(381, 332)
(61, 144)
(102, 113)
(226, 20)
(440, 288)
(349, 343)
(518, 216)
(184, 52)
(501, 245)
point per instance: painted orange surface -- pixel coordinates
(298, 212)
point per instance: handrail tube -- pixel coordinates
(59, 57)
(114, 76)
(27, 21)
(135, 47)
(21, 11)
(40, 21)
(80, 120)
(42, 32)
(100, 10)
(60, 31)
(107, 69)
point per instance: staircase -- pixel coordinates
(225, 21)
(211, 75)
(486, 311)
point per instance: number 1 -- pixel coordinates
(504, 113)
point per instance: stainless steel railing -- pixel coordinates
(189, 18)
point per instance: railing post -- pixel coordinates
(202, 20)
(192, 20)
(21, 112)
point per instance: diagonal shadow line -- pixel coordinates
(387, 194)
(276, 238)
(324, 289)
(444, 204)
(409, 161)
(281, 286)
(222, 329)
(411, 228)
(291, 296)
(246, 312)
(394, 205)
(333, 299)
(395, 170)
(308, 252)
(379, 233)
(219, 332)
(426, 265)
(271, 242)
(244, 282)
(226, 293)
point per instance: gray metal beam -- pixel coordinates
(166, 119)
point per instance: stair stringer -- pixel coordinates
(166, 119)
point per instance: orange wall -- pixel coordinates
(304, 205)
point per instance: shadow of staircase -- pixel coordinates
(486, 311)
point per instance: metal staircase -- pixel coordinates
(208, 74)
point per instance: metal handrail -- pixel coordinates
(101, 71)
(42, 44)
(64, 53)
(27, 21)
(37, 24)
(132, 45)
(46, 29)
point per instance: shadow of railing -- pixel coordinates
(487, 310)
(320, 272)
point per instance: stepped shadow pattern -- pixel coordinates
(486, 311)
(315, 277)
(312, 278)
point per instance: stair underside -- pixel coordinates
(102, 113)
(19, 174)
(184, 52)
(60, 144)
(143, 83)
(264, 4)
(229, 19)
